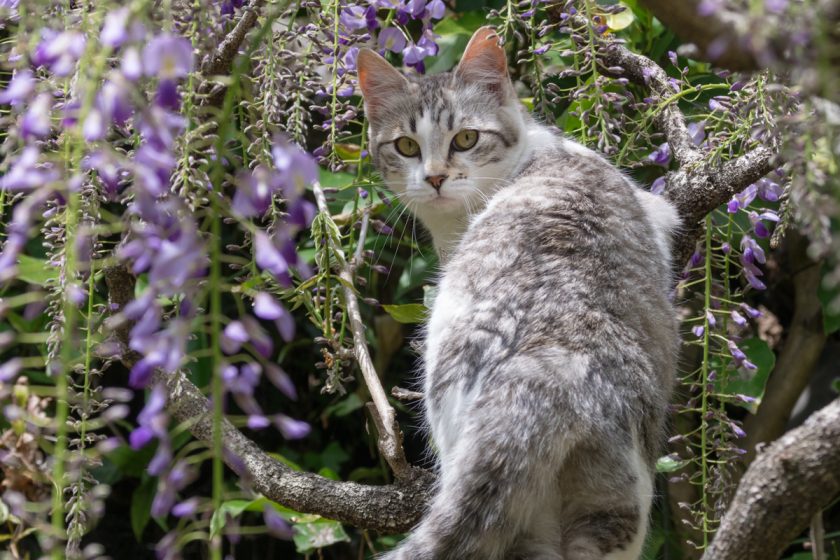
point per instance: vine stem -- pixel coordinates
(704, 427)
(390, 437)
(216, 386)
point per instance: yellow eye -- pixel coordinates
(406, 146)
(465, 139)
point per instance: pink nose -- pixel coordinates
(436, 180)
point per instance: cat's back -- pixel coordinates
(569, 236)
(568, 263)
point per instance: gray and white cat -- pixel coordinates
(550, 351)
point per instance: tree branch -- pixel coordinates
(387, 509)
(220, 61)
(696, 192)
(796, 476)
(697, 187)
(669, 120)
(390, 436)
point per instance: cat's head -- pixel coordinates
(444, 143)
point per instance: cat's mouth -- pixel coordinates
(442, 201)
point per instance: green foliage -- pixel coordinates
(407, 312)
(748, 383)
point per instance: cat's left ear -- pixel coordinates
(485, 64)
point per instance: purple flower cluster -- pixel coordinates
(121, 104)
(394, 37)
(751, 252)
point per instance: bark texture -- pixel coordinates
(777, 497)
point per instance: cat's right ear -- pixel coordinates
(380, 82)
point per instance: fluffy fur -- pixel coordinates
(551, 346)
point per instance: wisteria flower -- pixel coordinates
(743, 199)
(661, 155)
(413, 55)
(28, 172)
(178, 477)
(769, 190)
(269, 258)
(59, 51)
(168, 57)
(233, 337)
(266, 307)
(297, 168)
(277, 526)
(254, 191)
(19, 89)
(354, 18)
(392, 39)
(131, 64)
(114, 30)
(36, 121)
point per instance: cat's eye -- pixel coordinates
(465, 139)
(407, 147)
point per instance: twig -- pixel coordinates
(405, 395)
(817, 536)
(390, 436)
(796, 476)
(387, 509)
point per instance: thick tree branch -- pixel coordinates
(796, 476)
(696, 192)
(390, 436)
(387, 509)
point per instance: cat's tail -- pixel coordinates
(497, 475)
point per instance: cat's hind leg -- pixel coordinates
(615, 528)
(499, 474)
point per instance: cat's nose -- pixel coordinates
(436, 180)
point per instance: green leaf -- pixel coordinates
(669, 463)
(233, 508)
(335, 179)
(328, 473)
(35, 271)
(406, 313)
(141, 506)
(749, 383)
(621, 20)
(830, 301)
(333, 456)
(286, 461)
(345, 406)
(318, 534)
(368, 474)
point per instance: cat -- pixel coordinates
(551, 344)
